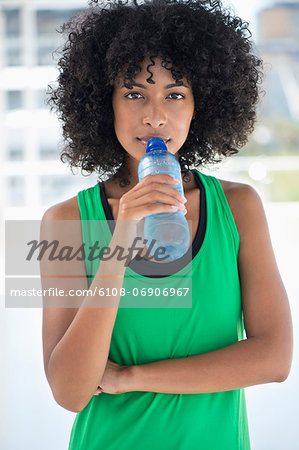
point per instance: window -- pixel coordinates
(276, 103)
(48, 38)
(12, 37)
(13, 55)
(40, 99)
(12, 22)
(55, 187)
(14, 100)
(48, 151)
(16, 190)
(14, 142)
(47, 139)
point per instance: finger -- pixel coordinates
(160, 177)
(156, 197)
(152, 208)
(158, 189)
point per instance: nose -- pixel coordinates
(154, 115)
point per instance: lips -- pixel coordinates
(144, 140)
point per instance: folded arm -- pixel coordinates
(266, 355)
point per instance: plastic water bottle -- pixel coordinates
(169, 230)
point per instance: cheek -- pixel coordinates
(121, 114)
(185, 114)
(126, 122)
(118, 118)
(184, 122)
(123, 125)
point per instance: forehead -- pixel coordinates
(153, 72)
(153, 64)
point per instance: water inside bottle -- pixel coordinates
(173, 236)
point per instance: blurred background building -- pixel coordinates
(276, 135)
(32, 178)
(278, 42)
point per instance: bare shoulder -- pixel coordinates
(66, 210)
(234, 188)
(242, 199)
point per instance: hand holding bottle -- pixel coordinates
(154, 194)
(166, 233)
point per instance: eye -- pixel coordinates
(176, 96)
(133, 95)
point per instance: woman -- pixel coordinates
(168, 377)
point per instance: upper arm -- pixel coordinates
(264, 299)
(62, 223)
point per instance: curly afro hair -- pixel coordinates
(197, 39)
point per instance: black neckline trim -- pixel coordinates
(159, 270)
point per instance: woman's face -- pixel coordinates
(163, 109)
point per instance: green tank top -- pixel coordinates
(157, 331)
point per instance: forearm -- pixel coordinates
(245, 363)
(78, 361)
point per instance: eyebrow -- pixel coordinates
(166, 87)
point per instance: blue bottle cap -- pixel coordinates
(156, 144)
